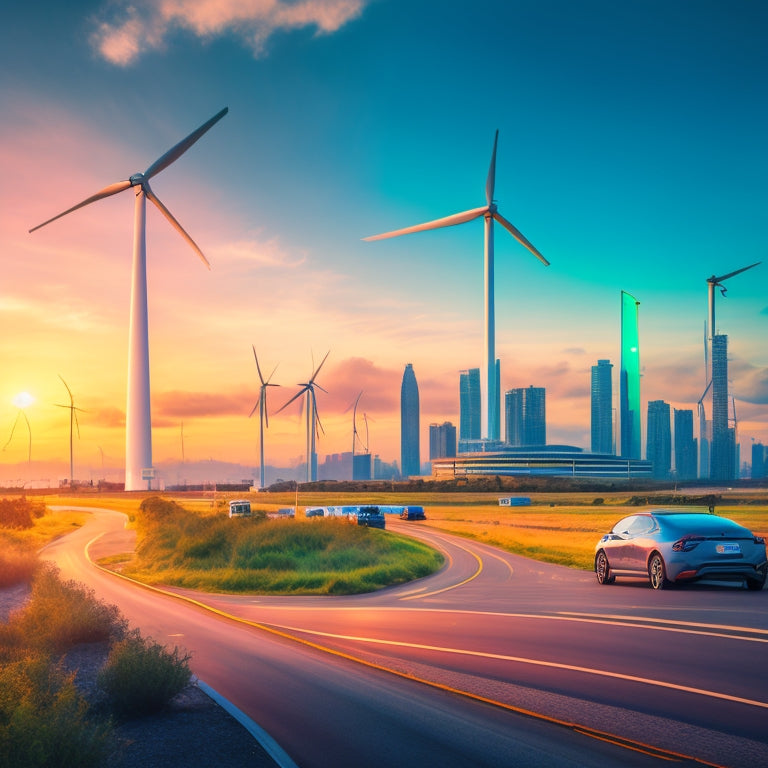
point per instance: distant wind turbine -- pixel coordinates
(313, 420)
(261, 404)
(138, 423)
(489, 212)
(73, 409)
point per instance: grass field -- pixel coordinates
(559, 528)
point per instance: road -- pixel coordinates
(494, 636)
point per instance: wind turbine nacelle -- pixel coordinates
(137, 178)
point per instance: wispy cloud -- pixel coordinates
(125, 30)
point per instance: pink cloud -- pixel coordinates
(127, 31)
(179, 405)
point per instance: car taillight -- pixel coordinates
(687, 543)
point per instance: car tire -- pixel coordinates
(603, 569)
(657, 572)
(756, 584)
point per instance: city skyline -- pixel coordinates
(637, 164)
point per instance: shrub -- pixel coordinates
(141, 676)
(44, 720)
(17, 565)
(15, 513)
(60, 614)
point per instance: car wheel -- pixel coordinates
(603, 569)
(757, 584)
(657, 573)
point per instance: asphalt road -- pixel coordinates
(681, 672)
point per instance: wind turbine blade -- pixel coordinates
(112, 189)
(720, 279)
(71, 399)
(490, 183)
(253, 410)
(317, 370)
(447, 221)
(175, 152)
(518, 235)
(258, 367)
(77, 423)
(297, 395)
(168, 215)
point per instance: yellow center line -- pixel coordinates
(452, 586)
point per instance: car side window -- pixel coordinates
(641, 524)
(623, 525)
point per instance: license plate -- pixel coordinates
(728, 549)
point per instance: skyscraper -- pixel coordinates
(659, 442)
(410, 454)
(629, 378)
(470, 423)
(685, 446)
(526, 416)
(758, 461)
(442, 440)
(602, 407)
(723, 460)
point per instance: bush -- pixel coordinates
(16, 513)
(17, 565)
(43, 719)
(141, 676)
(61, 614)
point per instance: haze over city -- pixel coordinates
(631, 154)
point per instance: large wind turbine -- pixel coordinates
(73, 409)
(489, 212)
(313, 420)
(138, 423)
(261, 404)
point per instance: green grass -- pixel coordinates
(211, 552)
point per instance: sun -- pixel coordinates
(23, 400)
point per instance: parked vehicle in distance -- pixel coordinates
(413, 513)
(515, 501)
(372, 517)
(240, 508)
(670, 546)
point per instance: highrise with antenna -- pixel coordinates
(138, 422)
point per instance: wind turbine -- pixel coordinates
(73, 409)
(261, 404)
(489, 212)
(313, 420)
(712, 283)
(138, 423)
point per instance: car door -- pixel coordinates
(618, 544)
(639, 543)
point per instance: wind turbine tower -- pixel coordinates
(261, 404)
(72, 423)
(138, 422)
(313, 420)
(491, 418)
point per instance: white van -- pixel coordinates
(240, 508)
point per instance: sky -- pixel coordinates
(632, 154)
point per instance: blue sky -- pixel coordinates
(632, 153)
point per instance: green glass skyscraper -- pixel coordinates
(629, 378)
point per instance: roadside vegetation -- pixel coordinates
(212, 552)
(44, 718)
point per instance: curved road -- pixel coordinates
(678, 673)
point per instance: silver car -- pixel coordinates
(676, 546)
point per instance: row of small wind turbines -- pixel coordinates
(138, 453)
